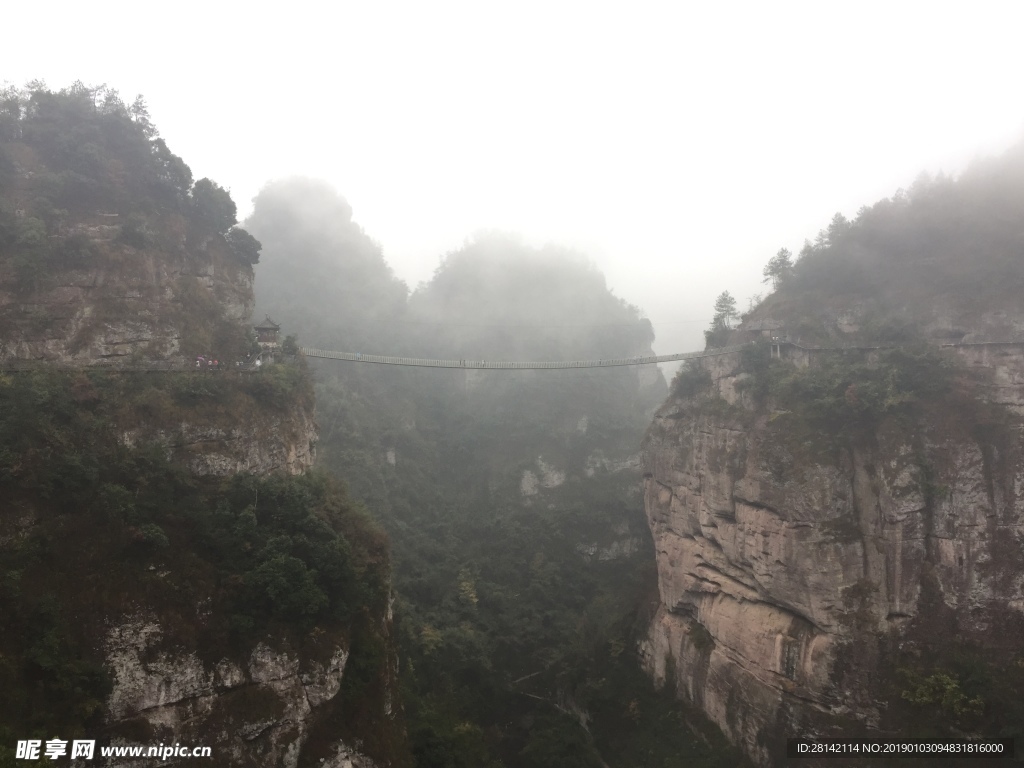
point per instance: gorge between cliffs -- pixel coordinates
(814, 529)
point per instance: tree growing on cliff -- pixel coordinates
(725, 313)
(244, 245)
(212, 206)
(725, 308)
(778, 268)
(108, 152)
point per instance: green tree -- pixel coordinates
(244, 245)
(213, 206)
(837, 228)
(778, 268)
(725, 308)
(725, 311)
(139, 113)
(288, 586)
(941, 693)
(11, 105)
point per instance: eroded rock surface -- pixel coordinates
(124, 302)
(254, 711)
(271, 441)
(783, 572)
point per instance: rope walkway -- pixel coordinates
(498, 365)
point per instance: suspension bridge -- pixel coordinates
(507, 365)
(776, 347)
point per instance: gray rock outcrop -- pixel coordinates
(261, 707)
(783, 572)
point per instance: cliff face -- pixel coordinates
(158, 591)
(254, 435)
(171, 571)
(839, 522)
(788, 572)
(192, 598)
(114, 300)
(260, 710)
(109, 249)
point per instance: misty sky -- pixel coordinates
(679, 145)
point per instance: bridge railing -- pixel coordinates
(504, 365)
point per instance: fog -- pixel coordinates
(496, 297)
(676, 146)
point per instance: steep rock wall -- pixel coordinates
(269, 441)
(114, 300)
(254, 711)
(786, 572)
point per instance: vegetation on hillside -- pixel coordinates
(939, 260)
(96, 529)
(523, 564)
(87, 185)
(939, 264)
(517, 615)
(101, 522)
(95, 152)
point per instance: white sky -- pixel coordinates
(680, 145)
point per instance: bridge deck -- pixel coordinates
(502, 365)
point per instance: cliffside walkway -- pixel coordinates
(15, 365)
(157, 366)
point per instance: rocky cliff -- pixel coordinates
(158, 592)
(98, 279)
(261, 709)
(116, 301)
(223, 423)
(839, 531)
(172, 570)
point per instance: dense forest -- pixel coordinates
(521, 555)
(87, 185)
(939, 261)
